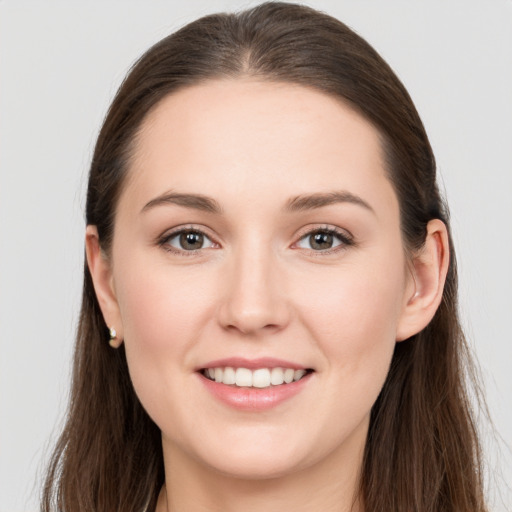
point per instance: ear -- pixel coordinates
(101, 273)
(426, 281)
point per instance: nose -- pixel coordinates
(253, 294)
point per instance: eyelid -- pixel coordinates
(345, 237)
(163, 240)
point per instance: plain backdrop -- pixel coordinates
(60, 64)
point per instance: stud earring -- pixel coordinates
(114, 342)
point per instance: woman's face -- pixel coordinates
(258, 231)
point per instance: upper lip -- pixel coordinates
(252, 364)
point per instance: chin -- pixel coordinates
(253, 461)
(261, 468)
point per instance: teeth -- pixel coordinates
(243, 377)
(288, 375)
(298, 374)
(276, 376)
(229, 376)
(260, 378)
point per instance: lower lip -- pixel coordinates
(254, 399)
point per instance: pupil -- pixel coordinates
(191, 240)
(321, 241)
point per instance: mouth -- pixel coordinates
(261, 378)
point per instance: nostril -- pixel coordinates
(250, 327)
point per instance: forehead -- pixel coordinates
(248, 138)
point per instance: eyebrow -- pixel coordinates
(318, 200)
(195, 201)
(295, 204)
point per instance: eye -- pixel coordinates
(186, 240)
(324, 240)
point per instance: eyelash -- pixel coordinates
(345, 239)
(164, 241)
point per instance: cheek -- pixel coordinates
(159, 306)
(353, 315)
(162, 312)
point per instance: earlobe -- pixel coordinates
(101, 274)
(428, 274)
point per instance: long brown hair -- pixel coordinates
(422, 452)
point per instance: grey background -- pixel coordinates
(60, 64)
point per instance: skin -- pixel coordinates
(257, 288)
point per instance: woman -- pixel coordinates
(269, 313)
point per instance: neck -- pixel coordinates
(329, 485)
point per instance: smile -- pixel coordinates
(258, 378)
